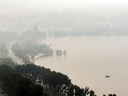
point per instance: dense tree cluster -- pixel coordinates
(17, 49)
(31, 35)
(77, 91)
(111, 95)
(16, 85)
(8, 61)
(54, 80)
(30, 48)
(26, 46)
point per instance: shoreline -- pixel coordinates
(39, 55)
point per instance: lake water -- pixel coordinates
(89, 59)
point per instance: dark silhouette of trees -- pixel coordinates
(92, 93)
(80, 91)
(112, 95)
(16, 85)
(54, 80)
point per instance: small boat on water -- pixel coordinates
(107, 76)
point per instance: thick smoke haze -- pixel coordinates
(15, 7)
(85, 39)
(23, 14)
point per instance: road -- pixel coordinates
(12, 55)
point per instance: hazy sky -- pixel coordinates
(41, 6)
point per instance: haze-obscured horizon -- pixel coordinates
(31, 7)
(20, 15)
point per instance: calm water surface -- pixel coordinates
(89, 59)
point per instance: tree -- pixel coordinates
(7, 61)
(92, 93)
(111, 94)
(23, 87)
(16, 85)
(114, 94)
(36, 90)
(86, 91)
(35, 28)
